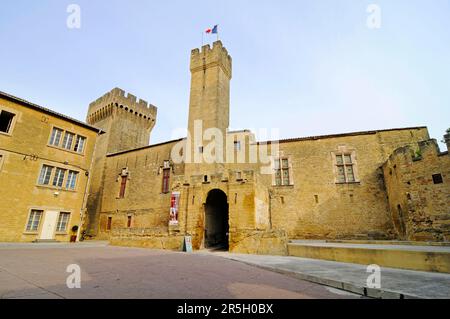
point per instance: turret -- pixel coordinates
(127, 121)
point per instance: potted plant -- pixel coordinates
(73, 237)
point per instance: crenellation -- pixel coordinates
(206, 48)
(408, 172)
(122, 100)
(210, 57)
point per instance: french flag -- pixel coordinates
(213, 30)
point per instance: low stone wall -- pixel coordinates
(426, 260)
(260, 242)
(146, 238)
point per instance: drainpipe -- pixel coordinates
(86, 190)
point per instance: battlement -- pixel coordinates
(209, 57)
(417, 152)
(117, 98)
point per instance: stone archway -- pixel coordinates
(216, 220)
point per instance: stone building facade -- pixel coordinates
(322, 187)
(45, 161)
(224, 189)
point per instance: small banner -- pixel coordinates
(174, 205)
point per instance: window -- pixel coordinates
(345, 170)
(68, 140)
(79, 144)
(63, 220)
(55, 138)
(129, 222)
(437, 179)
(6, 120)
(71, 180)
(123, 186)
(237, 145)
(165, 180)
(44, 177)
(58, 179)
(109, 223)
(33, 220)
(200, 149)
(282, 172)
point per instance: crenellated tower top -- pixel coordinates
(208, 57)
(118, 99)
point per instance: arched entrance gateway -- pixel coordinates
(216, 220)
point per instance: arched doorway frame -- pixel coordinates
(219, 239)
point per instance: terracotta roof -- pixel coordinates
(319, 137)
(48, 111)
(309, 138)
(145, 147)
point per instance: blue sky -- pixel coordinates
(306, 67)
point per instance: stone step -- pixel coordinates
(45, 241)
(412, 257)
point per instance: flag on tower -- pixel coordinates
(214, 30)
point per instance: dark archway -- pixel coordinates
(216, 220)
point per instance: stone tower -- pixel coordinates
(127, 124)
(126, 121)
(211, 72)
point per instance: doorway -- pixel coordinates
(49, 225)
(216, 220)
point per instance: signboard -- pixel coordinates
(174, 208)
(187, 245)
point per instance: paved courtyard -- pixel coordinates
(39, 271)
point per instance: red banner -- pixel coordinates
(174, 208)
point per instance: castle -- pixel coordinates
(225, 189)
(323, 187)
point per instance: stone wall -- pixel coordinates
(420, 208)
(316, 206)
(143, 200)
